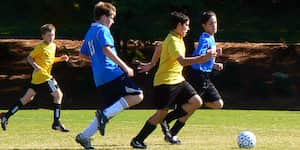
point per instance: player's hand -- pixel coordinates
(64, 58)
(129, 71)
(218, 66)
(144, 67)
(210, 54)
(219, 51)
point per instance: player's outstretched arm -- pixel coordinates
(61, 58)
(187, 61)
(145, 67)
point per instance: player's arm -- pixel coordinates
(145, 67)
(31, 61)
(109, 53)
(187, 61)
(61, 58)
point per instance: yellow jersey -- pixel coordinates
(44, 56)
(170, 70)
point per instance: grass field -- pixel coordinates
(206, 130)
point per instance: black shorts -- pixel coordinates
(205, 88)
(112, 91)
(167, 96)
(49, 86)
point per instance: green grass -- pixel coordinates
(206, 129)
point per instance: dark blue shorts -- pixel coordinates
(112, 91)
(203, 85)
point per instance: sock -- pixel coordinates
(14, 109)
(175, 114)
(145, 132)
(177, 127)
(56, 112)
(91, 130)
(116, 108)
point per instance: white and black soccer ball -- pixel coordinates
(246, 139)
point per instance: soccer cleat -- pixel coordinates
(60, 127)
(137, 144)
(84, 142)
(4, 121)
(172, 139)
(165, 127)
(102, 120)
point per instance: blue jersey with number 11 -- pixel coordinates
(104, 69)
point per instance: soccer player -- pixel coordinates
(41, 59)
(111, 74)
(170, 86)
(200, 73)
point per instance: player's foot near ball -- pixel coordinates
(137, 144)
(102, 120)
(172, 139)
(59, 127)
(4, 121)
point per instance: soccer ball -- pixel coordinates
(246, 139)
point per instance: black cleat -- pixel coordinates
(165, 127)
(60, 127)
(4, 121)
(102, 120)
(172, 139)
(84, 142)
(137, 144)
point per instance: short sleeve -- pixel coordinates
(176, 49)
(202, 46)
(84, 48)
(35, 52)
(105, 38)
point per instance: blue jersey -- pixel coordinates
(206, 41)
(104, 69)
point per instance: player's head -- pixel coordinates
(180, 23)
(48, 33)
(209, 22)
(105, 13)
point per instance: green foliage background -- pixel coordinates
(239, 20)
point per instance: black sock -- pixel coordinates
(14, 109)
(56, 112)
(145, 132)
(177, 127)
(175, 114)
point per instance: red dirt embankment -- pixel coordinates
(256, 75)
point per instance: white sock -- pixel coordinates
(116, 108)
(91, 130)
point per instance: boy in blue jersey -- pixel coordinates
(111, 74)
(200, 74)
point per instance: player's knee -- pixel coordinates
(57, 95)
(140, 98)
(220, 104)
(196, 101)
(216, 105)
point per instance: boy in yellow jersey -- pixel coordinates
(170, 86)
(41, 59)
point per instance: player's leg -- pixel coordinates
(29, 95)
(57, 100)
(188, 101)
(213, 97)
(164, 96)
(124, 94)
(148, 128)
